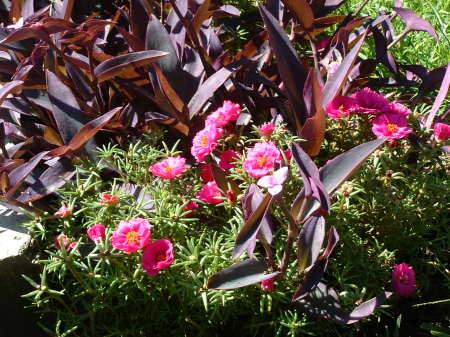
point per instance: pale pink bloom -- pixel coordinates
(261, 159)
(206, 172)
(157, 256)
(63, 211)
(205, 141)
(66, 242)
(97, 232)
(274, 183)
(442, 131)
(267, 129)
(227, 159)
(169, 167)
(341, 106)
(371, 102)
(229, 111)
(400, 109)
(393, 126)
(132, 235)
(268, 285)
(109, 199)
(210, 193)
(404, 279)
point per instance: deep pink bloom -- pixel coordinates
(231, 196)
(97, 232)
(267, 129)
(323, 43)
(205, 141)
(393, 126)
(169, 167)
(132, 235)
(442, 131)
(157, 256)
(227, 159)
(229, 111)
(371, 102)
(261, 159)
(191, 206)
(268, 285)
(400, 109)
(63, 211)
(206, 172)
(288, 154)
(341, 106)
(210, 193)
(109, 199)
(67, 243)
(404, 279)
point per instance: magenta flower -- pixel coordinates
(97, 232)
(191, 206)
(404, 279)
(261, 159)
(169, 167)
(393, 126)
(63, 212)
(205, 141)
(288, 154)
(400, 109)
(109, 199)
(210, 193)
(371, 102)
(341, 106)
(274, 183)
(132, 235)
(267, 129)
(206, 172)
(157, 256)
(268, 285)
(65, 241)
(227, 159)
(229, 111)
(442, 131)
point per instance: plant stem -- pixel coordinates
(292, 234)
(398, 38)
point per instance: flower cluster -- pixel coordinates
(390, 118)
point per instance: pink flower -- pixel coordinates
(268, 285)
(109, 199)
(371, 102)
(399, 109)
(261, 159)
(210, 193)
(404, 279)
(393, 126)
(323, 43)
(63, 211)
(274, 183)
(205, 141)
(341, 106)
(67, 243)
(191, 206)
(231, 196)
(132, 235)
(227, 159)
(157, 256)
(206, 172)
(267, 129)
(169, 167)
(97, 232)
(229, 111)
(288, 154)
(442, 131)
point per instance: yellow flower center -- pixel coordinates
(392, 127)
(168, 169)
(262, 161)
(132, 237)
(204, 141)
(161, 257)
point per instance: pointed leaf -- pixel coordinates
(140, 194)
(367, 308)
(241, 274)
(310, 241)
(116, 65)
(415, 22)
(291, 70)
(10, 87)
(443, 91)
(303, 12)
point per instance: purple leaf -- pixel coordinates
(310, 241)
(338, 78)
(367, 308)
(415, 22)
(241, 274)
(443, 90)
(383, 55)
(303, 11)
(291, 70)
(10, 87)
(140, 194)
(226, 11)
